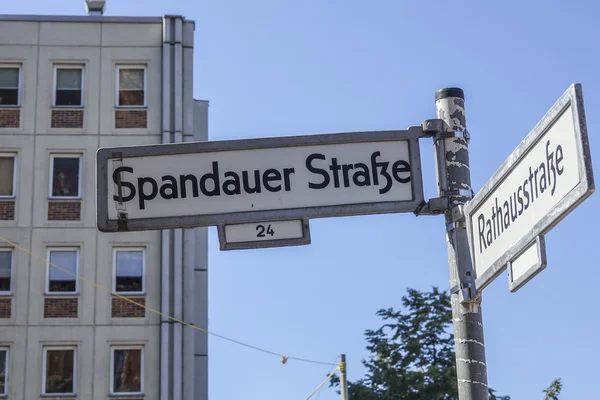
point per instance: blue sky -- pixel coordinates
(279, 68)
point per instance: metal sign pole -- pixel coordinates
(454, 184)
(343, 378)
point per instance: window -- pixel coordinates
(65, 176)
(7, 175)
(127, 370)
(131, 86)
(129, 270)
(10, 82)
(68, 86)
(3, 371)
(59, 281)
(6, 268)
(59, 370)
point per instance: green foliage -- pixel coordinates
(553, 390)
(412, 354)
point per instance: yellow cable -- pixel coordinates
(337, 366)
(324, 382)
(16, 246)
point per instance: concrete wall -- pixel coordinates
(99, 46)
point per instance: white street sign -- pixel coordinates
(264, 234)
(212, 183)
(527, 264)
(545, 178)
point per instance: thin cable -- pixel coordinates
(16, 246)
(335, 362)
(324, 382)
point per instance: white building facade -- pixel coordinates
(69, 85)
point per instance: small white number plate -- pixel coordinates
(254, 232)
(527, 264)
(264, 234)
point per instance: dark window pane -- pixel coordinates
(129, 284)
(131, 97)
(68, 97)
(5, 270)
(65, 177)
(3, 371)
(59, 371)
(127, 370)
(62, 286)
(60, 281)
(9, 97)
(7, 168)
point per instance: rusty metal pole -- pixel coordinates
(454, 184)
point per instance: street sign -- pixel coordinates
(229, 182)
(543, 180)
(254, 235)
(527, 264)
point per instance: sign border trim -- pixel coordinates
(103, 155)
(573, 97)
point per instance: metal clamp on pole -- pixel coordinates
(466, 290)
(456, 224)
(435, 206)
(432, 127)
(457, 193)
(453, 134)
(438, 129)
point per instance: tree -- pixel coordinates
(553, 390)
(412, 354)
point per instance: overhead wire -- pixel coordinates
(318, 388)
(330, 374)
(152, 310)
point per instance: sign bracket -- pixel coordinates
(466, 289)
(439, 129)
(434, 206)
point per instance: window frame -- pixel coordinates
(114, 271)
(50, 249)
(6, 362)
(54, 81)
(19, 86)
(51, 177)
(118, 82)
(44, 371)
(112, 369)
(15, 174)
(12, 272)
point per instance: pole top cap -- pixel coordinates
(449, 92)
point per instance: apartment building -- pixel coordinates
(69, 85)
